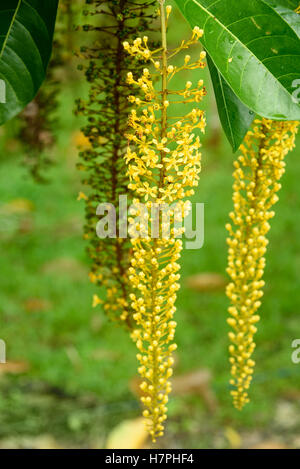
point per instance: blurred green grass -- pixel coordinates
(73, 347)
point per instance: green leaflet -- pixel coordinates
(26, 33)
(255, 49)
(235, 117)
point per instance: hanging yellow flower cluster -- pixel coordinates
(256, 182)
(164, 163)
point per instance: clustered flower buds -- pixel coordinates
(164, 163)
(102, 163)
(257, 173)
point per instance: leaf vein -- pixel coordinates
(10, 28)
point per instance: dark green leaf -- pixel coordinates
(254, 48)
(291, 4)
(26, 33)
(235, 117)
(285, 8)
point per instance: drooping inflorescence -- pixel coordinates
(164, 163)
(106, 110)
(257, 173)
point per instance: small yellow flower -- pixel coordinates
(93, 277)
(82, 196)
(96, 301)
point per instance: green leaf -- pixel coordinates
(235, 117)
(291, 4)
(285, 9)
(256, 51)
(26, 33)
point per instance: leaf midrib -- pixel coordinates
(10, 28)
(238, 40)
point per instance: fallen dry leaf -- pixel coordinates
(14, 367)
(206, 282)
(269, 444)
(129, 434)
(196, 382)
(36, 305)
(26, 225)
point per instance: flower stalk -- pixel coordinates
(164, 163)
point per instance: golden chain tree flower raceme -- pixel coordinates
(164, 163)
(102, 161)
(257, 173)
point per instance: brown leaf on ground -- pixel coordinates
(269, 444)
(36, 305)
(291, 394)
(196, 382)
(129, 434)
(206, 282)
(26, 225)
(14, 367)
